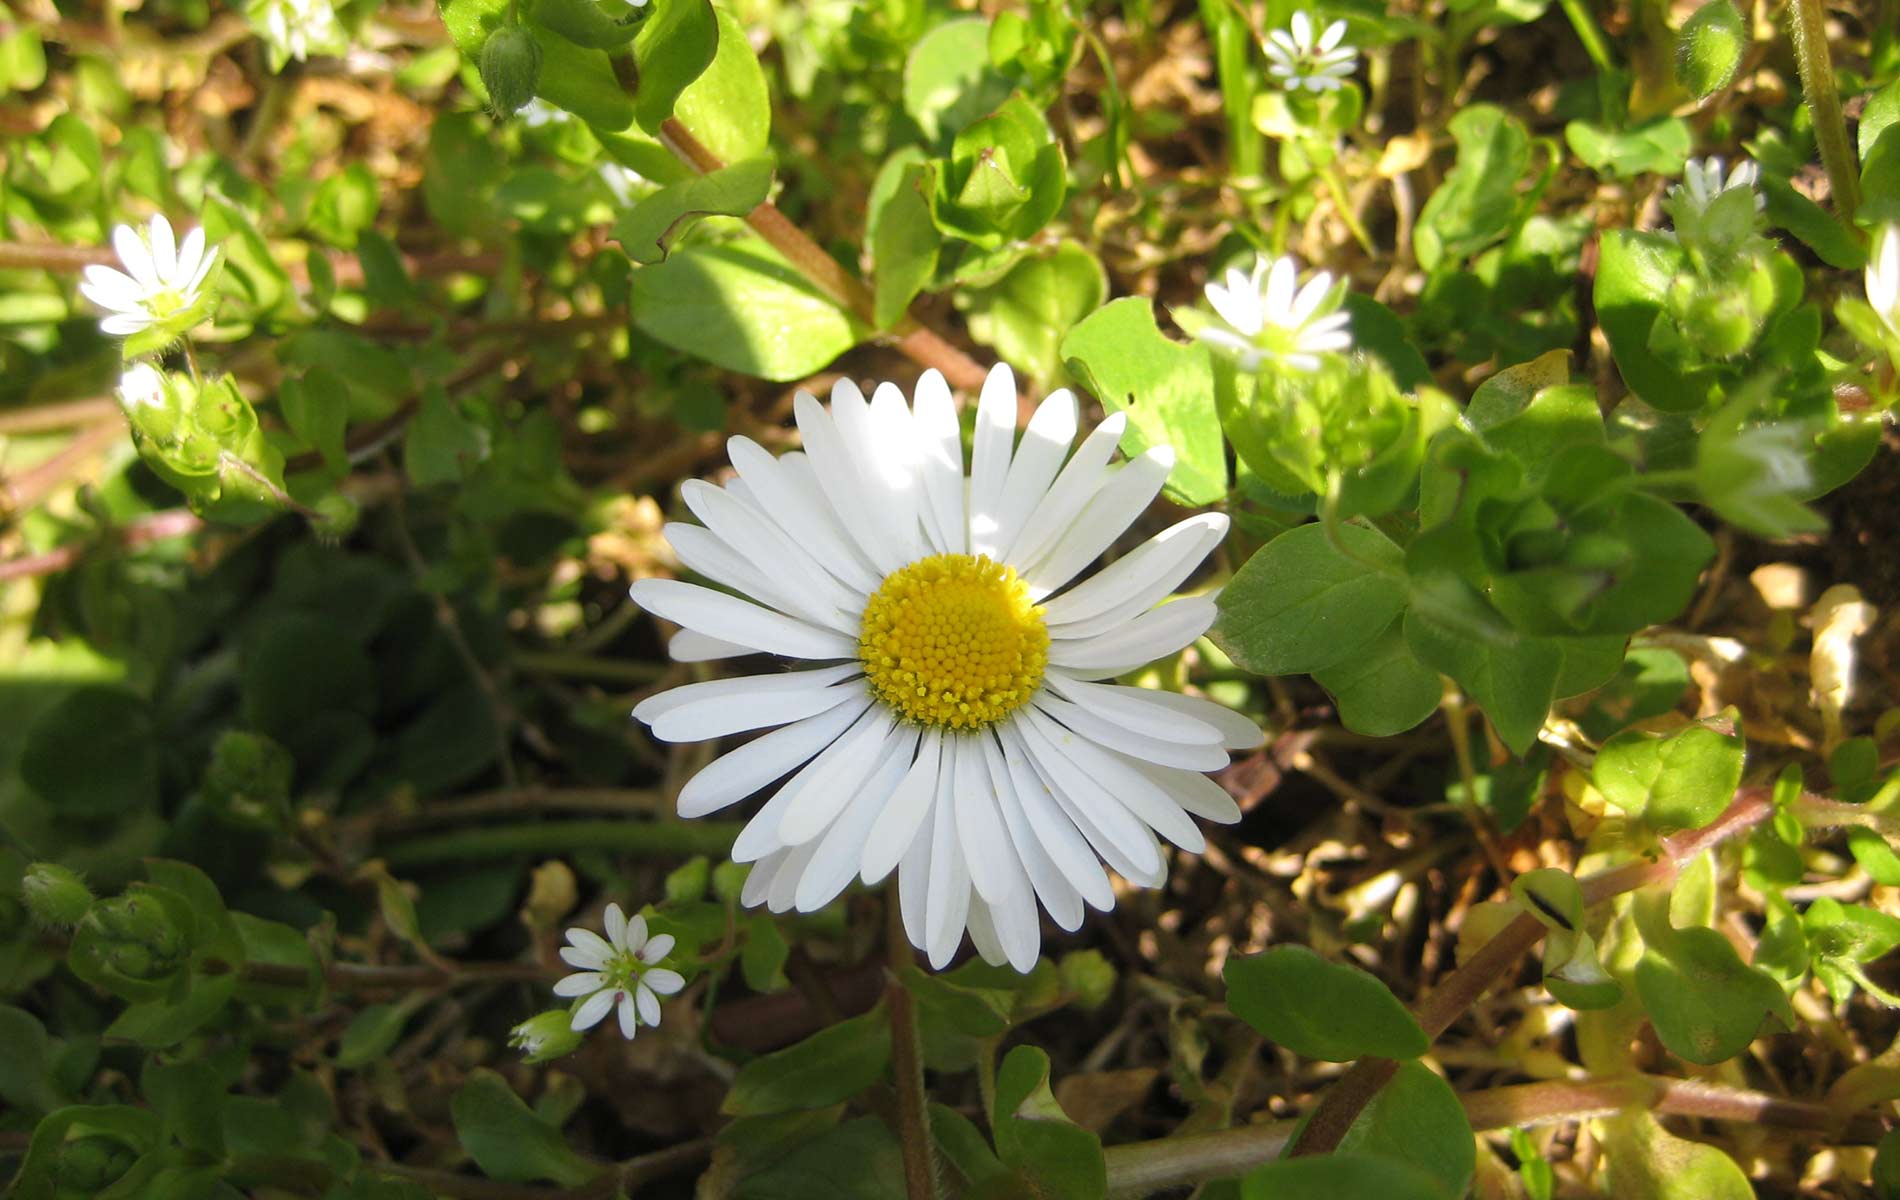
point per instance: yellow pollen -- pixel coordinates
(953, 641)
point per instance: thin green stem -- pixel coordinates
(1589, 33)
(659, 839)
(1808, 24)
(1343, 203)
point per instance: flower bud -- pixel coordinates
(134, 936)
(55, 896)
(89, 1165)
(248, 780)
(1710, 47)
(335, 517)
(545, 1037)
(511, 67)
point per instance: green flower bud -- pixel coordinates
(89, 1165)
(55, 896)
(248, 780)
(545, 1037)
(335, 517)
(1710, 47)
(510, 67)
(134, 936)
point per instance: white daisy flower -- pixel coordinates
(161, 278)
(1883, 278)
(1702, 181)
(296, 28)
(953, 726)
(1272, 316)
(1299, 60)
(618, 972)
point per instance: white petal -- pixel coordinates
(1137, 581)
(1135, 791)
(586, 960)
(995, 871)
(989, 454)
(818, 595)
(761, 877)
(1114, 508)
(839, 477)
(793, 500)
(112, 289)
(1302, 30)
(629, 1024)
(584, 984)
(838, 853)
(1237, 303)
(657, 948)
(1038, 457)
(616, 922)
(702, 551)
(690, 695)
(191, 259)
(1155, 634)
(841, 763)
(1281, 281)
(125, 324)
(1058, 896)
(1109, 827)
(591, 1011)
(1244, 352)
(940, 461)
(1142, 711)
(738, 773)
(989, 943)
(913, 885)
(883, 470)
(1205, 756)
(663, 981)
(1194, 792)
(947, 907)
(1238, 730)
(894, 469)
(591, 942)
(895, 830)
(136, 258)
(1332, 36)
(1307, 300)
(1074, 489)
(716, 718)
(164, 249)
(648, 1004)
(734, 620)
(860, 752)
(636, 935)
(688, 646)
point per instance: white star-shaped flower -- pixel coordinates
(618, 972)
(1883, 278)
(296, 28)
(1299, 60)
(952, 722)
(1273, 317)
(161, 277)
(1702, 180)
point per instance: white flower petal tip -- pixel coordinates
(1882, 278)
(163, 280)
(1302, 61)
(617, 972)
(943, 725)
(1271, 316)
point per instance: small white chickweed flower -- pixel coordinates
(952, 719)
(1299, 60)
(1883, 278)
(1273, 317)
(1702, 180)
(161, 278)
(618, 972)
(297, 28)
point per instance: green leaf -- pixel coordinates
(948, 79)
(674, 47)
(1301, 605)
(904, 245)
(1707, 1004)
(831, 1065)
(1026, 314)
(1634, 271)
(1479, 202)
(1417, 1119)
(1318, 1009)
(1874, 855)
(372, 1032)
(762, 960)
(1121, 355)
(1680, 781)
(1817, 228)
(1647, 1162)
(1514, 681)
(317, 409)
(1658, 147)
(26, 1069)
(858, 1160)
(1033, 1133)
(441, 445)
(648, 230)
(1382, 688)
(507, 1140)
(1378, 331)
(94, 754)
(1340, 1177)
(743, 307)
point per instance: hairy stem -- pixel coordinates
(907, 1066)
(1808, 24)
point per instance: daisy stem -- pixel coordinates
(1808, 25)
(907, 1066)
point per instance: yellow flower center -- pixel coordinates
(953, 641)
